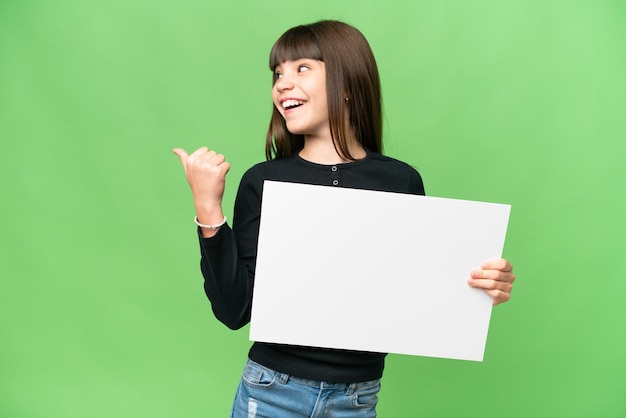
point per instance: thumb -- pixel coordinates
(182, 155)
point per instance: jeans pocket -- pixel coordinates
(367, 396)
(256, 375)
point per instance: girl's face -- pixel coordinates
(299, 94)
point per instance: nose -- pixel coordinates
(282, 84)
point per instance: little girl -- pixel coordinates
(326, 129)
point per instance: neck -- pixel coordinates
(322, 151)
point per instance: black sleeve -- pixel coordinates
(415, 183)
(228, 259)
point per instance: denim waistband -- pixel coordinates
(349, 387)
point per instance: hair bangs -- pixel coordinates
(296, 43)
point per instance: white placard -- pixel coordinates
(373, 271)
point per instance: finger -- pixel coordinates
(220, 162)
(500, 264)
(182, 155)
(498, 275)
(217, 159)
(498, 296)
(198, 153)
(488, 284)
(209, 156)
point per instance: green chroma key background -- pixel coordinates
(102, 312)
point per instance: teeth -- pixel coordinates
(291, 103)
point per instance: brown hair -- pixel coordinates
(351, 72)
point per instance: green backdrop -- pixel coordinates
(102, 312)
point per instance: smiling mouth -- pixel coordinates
(291, 104)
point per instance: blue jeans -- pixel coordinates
(265, 393)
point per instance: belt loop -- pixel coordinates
(283, 378)
(351, 389)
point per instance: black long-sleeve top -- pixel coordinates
(229, 258)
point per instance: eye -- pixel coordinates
(303, 67)
(277, 74)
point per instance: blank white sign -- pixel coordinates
(373, 271)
